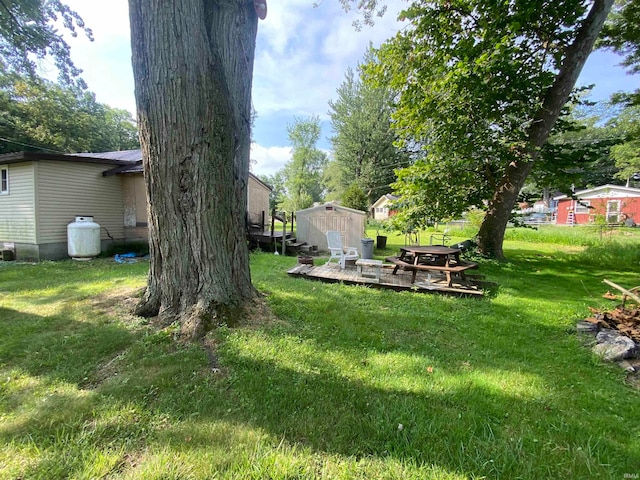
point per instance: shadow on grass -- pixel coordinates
(54, 281)
(57, 346)
(51, 411)
(504, 397)
(562, 276)
(465, 422)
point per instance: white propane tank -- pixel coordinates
(83, 238)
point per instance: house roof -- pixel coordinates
(19, 157)
(330, 205)
(126, 161)
(266, 185)
(604, 191)
(387, 197)
(134, 165)
(130, 156)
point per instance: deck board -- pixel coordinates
(400, 282)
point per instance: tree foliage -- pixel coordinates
(278, 190)
(29, 34)
(333, 181)
(363, 142)
(577, 153)
(474, 73)
(621, 34)
(41, 115)
(481, 86)
(627, 154)
(303, 174)
(354, 197)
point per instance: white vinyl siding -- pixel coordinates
(381, 213)
(68, 189)
(17, 208)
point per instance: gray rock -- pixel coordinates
(607, 335)
(627, 366)
(614, 348)
(587, 327)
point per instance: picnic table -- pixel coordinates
(431, 258)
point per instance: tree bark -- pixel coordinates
(492, 230)
(193, 67)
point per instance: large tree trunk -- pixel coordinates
(193, 67)
(491, 235)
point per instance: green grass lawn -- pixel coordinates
(347, 382)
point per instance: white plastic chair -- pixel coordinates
(334, 242)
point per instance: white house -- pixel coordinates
(41, 193)
(380, 210)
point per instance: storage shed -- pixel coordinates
(314, 222)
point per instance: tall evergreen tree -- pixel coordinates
(363, 142)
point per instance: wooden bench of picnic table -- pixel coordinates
(459, 268)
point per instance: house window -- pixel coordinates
(4, 180)
(613, 211)
(582, 206)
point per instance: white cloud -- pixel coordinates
(269, 159)
(106, 19)
(302, 55)
(106, 62)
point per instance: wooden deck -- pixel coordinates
(264, 239)
(426, 282)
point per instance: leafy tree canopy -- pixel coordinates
(621, 34)
(577, 153)
(627, 154)
(354, 197)
(471, 77)
(29, 34)
(364, 139)
(303, 174)
(40, 115)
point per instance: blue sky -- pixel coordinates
(302, 54)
